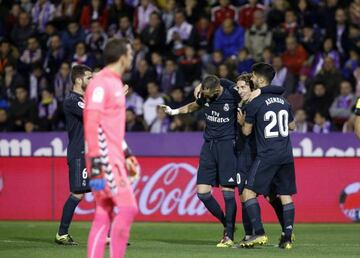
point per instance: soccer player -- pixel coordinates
(104, 125)
(217, 165)
(78, 176)
(357, 119)
(246, 147)
(271, 118)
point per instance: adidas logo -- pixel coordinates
(206, 104)
(231, 180)
(289, 227)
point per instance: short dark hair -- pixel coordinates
(246, 77)
(210, 82)
(78, 71)
(114, 49)
(265, 70)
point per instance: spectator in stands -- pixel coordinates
(247, 13)
(118, 9)
(142, 15)
(5, 124)
(96, 40)
(283, 76)
(22, 31)
(154, 34)
(225, 71)
(178, 124)
(152, 102)
(355, 12)
(22, 110)
(96, 10)
(302, 126)
(354, 37)
(351, 64)
(141, 77)
(326, 14)
(44, 38)
(357, 81)
(217, 59)
(349, 125)
(192, 11)
(54, 57)
(294, 56)
(47, 111)
(176, 97)
(340, 109)
(305, 12)
(9, 82)
(229, 38)
(190, 65)
(161, 123)
(340, 32)
(245, 61)
(318, 100)
(12, 18)
(7, 55)
(290, 25)
(72, 36)
(158, 66)
(258, 36)
(66, 9)
(180, 34)
(81, 56)
(267, 55)
(310, 39)
(204, 35)
(171, 76)
(32, 54)
(327, 51)
(62, 82)
(168, 14)
(135, 102)
(140, 52)
(133, 123)
(26, 5)
(37, 81)
(321, 124)
(125, 30)
(42, 12)
(276, 15)
(331, 76)
(223, 11)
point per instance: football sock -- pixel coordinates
(120, 231)
(246, 221)
(99, 231)
(253, 210)
(278, 208)
(230, 212)
(67, 214)
(289, 215)
(213, 206)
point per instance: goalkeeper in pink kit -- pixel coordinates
(104, 126)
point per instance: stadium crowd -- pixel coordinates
(313, 45)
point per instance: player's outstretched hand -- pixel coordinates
(241, 117)
(254, 94)
(97, 181)
(169, 111)
(126, 89)
(197, 91)
(133, 168)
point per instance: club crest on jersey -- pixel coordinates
(226, 107)
(81, 104)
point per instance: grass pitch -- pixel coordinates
(175, 240)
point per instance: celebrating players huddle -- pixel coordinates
(246, 145)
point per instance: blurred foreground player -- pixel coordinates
(104, 124)
(273, 169)
(78, 176)
(357, 119)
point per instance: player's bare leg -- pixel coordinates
(63, 237)
(288, 221)
(253, 210)
(206, 197)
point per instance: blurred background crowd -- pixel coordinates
(314, 46)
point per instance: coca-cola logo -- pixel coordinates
(170, 190)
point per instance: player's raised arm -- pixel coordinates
(189, 108)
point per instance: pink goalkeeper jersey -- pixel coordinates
(105, 94)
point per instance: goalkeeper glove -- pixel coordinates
(97, 181)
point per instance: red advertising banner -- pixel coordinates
(36, 189)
